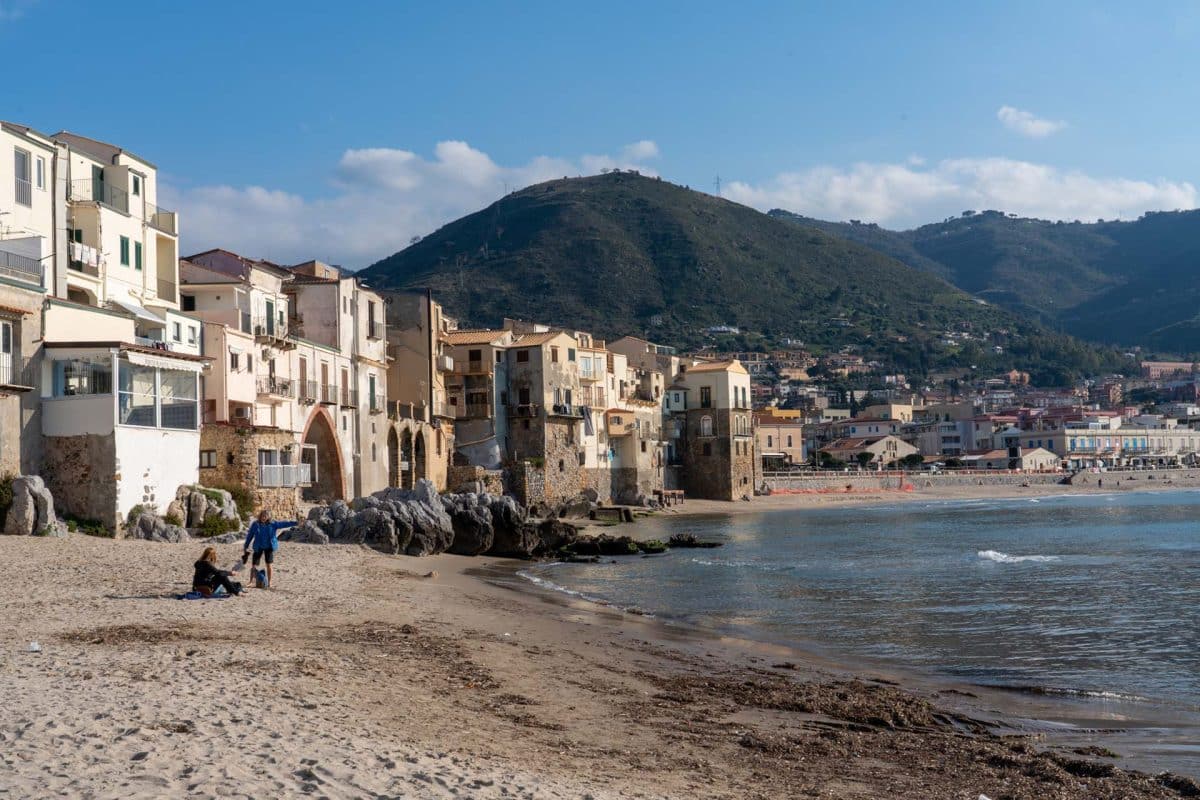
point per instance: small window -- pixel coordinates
(570, 354)
(40, 173)
(345, 422)
(177, 331)
(187, 302)
(523, 396)
(522, 356)
(474, 355)
(643, 446)
(707, 449)
(562, 465)
(124, 251)
(208, 459)
(374, 452)
(554, 355)
(249, 363)
(499, 356)
(191, 334)
(137, 186)
(137, 255)
(233, 362)
(706, 397)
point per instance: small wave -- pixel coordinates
(1063, 691)
(1005, 558)
(704, 562)
(542, 583)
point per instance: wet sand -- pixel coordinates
(358, 677)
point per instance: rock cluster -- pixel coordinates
(153, 528)
(192, 506)
(32, 510)
(421, 522)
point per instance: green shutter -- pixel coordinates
(137, 255)
(125, 251)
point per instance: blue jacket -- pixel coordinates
(263, 535)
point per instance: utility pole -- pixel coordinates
(717, 185)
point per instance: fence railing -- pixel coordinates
(16, 371)
(100, 192)
(280, 387)
(306, 391)
(168, 290)
(24, 192)
(283, 475)
(162, 219)
(374, 330)
(329, 393)
(23, 268)
(376, 404)
(348, 397)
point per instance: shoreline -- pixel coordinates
(366, 674)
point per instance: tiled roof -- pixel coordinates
(473, 337)
(531, 339)
(711, 366)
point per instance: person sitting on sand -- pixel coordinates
(263, 533)
(208, 578)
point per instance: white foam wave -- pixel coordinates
(704, 562)
(1005, 558)
(554, 587)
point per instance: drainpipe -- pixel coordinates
(432, 349)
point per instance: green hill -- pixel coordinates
(621, 253)
(1130, 283)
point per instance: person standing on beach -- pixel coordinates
(263, 534)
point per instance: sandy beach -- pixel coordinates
(358, 676)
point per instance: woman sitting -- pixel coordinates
(208, 578)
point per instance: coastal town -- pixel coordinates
(131, 371)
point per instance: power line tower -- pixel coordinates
(717, 186)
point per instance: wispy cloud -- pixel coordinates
(908, 194)
(12, 10)
(378, 199)
(1026, 123)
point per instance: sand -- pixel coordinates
(359, 677)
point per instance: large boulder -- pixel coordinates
(554, 535)
(578, 508)
(522, 541)
(473, 530)
(150, 527)
(308, 532)
(32, 510)
(197, 506)
(373, 528)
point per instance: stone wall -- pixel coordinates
(81, 473)
(492, 479)
(891, 481)
(601, 480)
(20, 412)
(721, 472)
(554, 440)
(237, 464)
(527, 482)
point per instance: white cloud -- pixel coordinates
(906, 194)
(1027, 124)
(379, 199)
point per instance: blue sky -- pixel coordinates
(340, 130)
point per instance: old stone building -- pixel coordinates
(712, 435)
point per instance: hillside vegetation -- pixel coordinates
(621, 253)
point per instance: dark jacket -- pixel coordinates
(207, 574)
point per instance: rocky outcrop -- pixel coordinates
(419, 522)
(32, 510)
(195, 504)
(150, 527)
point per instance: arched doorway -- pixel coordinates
(406, 459)
(393, 458)
(322, 453)
(419, 457)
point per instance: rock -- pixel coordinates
(578, 508)
(197, 505)
(473, 530)
(228, 538)
(652, 546)
(151, 528)
(521, 541)
(554, 535)
(471, 487)
(177, 509)
(689, 540)
(373, 528)
(591, 495)
(363, 503)
(432, 574)
(23, 513)
(307, 533)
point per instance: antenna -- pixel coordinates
(717, 185)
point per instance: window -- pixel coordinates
(523, 396)
(79, 376)
(374, 452)
(706, 426)
(522, 356)
(137, 186)
(562, 465)
(208, 459)
(137, 255)
(233, 362)
(40, 173)
(124, 251)
(474, 355)
(187, 302)
(643, 446)
(707, 449)
(249, 363)
(567, 396)
(24, 184)
(191, 334)
(554, 355)
(499, 356)
(570, 354)
(345, 422)
(439, 442)
(706, 397)
(345, 305)
(176, 331)
(770, 441)
(789, 444)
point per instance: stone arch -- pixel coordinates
(406, 459)
(320, 448)
(393, 458)
(419, 457)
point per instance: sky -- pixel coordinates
(340, 131)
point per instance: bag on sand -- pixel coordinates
(260, 579)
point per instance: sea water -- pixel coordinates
(1093, 596)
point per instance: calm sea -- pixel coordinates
(1094, 597)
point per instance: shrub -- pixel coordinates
(173, 519)
(240, 494)
(6, 496)
(89, 527)
(215, 525)
(133, 514)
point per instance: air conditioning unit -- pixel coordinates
(241, 412)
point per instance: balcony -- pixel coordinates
(565, 410)
(277, 387)
(21, 268)
(93, 191)
(157, 344)
(306, 391)
(268, 330)
(168, 290)
(16, 374)
(525, 410)
(374, 330)
(348, 397)
(376, 404)
(284, 475)
(162, 219)
(399, 411)
(329, 393)
(24, 191)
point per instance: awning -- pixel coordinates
(233, 349)
(162, 362)
(140, 313)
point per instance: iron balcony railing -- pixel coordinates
(20, 267)
(16, 372)
(376, 404)
(329, 393)
(280, 387)
(168, 290)
(306, 391)
(157, 344)
(374, 330)
(94, 191)
(270, 328)
(349, 397)
(284, 475)
(162, 219)
(24, 192)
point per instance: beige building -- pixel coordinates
(710, 439)
(780, 441)
(879, 451)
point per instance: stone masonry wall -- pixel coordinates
(601, 480)
(554, 440)
(81, 473)
(492, 479)
(237, 464)
(708, 475)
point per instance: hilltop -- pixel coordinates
(622, 253)
(1130, 283)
